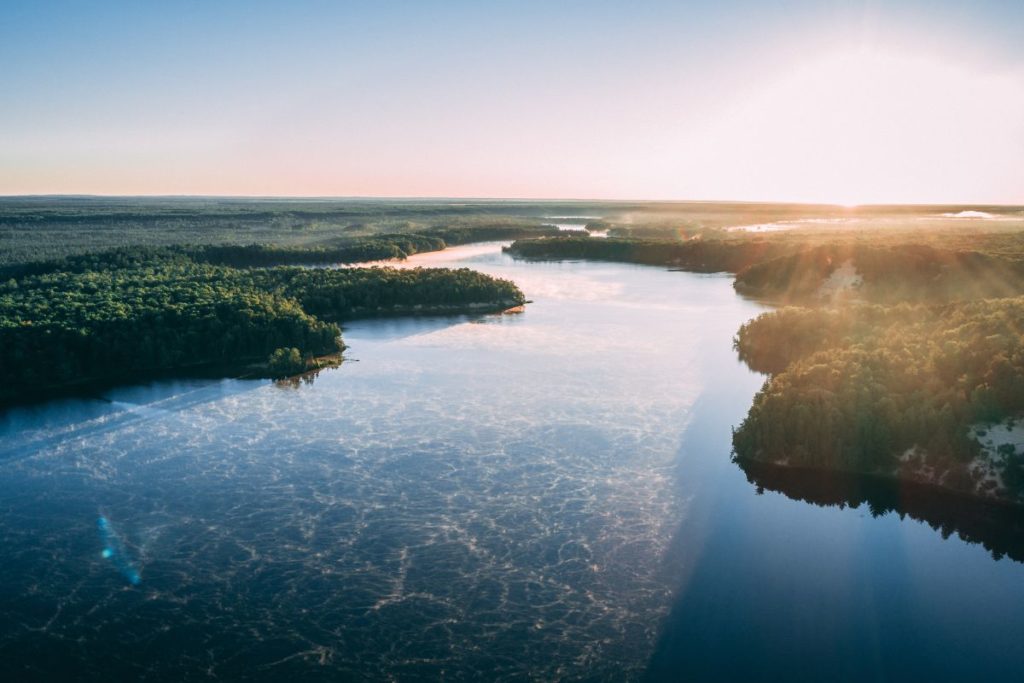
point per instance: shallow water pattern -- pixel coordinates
(470, 497)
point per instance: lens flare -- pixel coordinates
(114, 550)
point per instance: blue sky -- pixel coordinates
(589, 99)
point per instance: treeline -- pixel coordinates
(238, 256)
(699, 255)
(35, 229)
(137, 315)
(886, 274)
(891, 390)
(349, 250)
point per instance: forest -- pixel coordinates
(884, 274)
(139, 312)
(46, 228)
(894, 390)
(96, 290)
(698, 255)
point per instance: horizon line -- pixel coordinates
(441, 198)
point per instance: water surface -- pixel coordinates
(538, 495)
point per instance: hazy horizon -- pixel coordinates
(527, 200)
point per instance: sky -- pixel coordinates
(830, 101)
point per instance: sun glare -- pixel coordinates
(870, 126)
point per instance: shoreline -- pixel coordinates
(248, 368)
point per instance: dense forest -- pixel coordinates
(44, 228)
(347, 250)
(889, 274)
(889, 390)
(133, 313)
(699, 255)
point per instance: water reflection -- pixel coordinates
(997, 527)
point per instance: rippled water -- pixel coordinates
(540, 495)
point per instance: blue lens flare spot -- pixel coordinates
(114, 550)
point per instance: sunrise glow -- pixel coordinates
(871, 126)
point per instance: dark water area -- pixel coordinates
(997, 526)
(547, 495)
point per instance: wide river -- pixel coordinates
(542, 495)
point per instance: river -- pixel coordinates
(547, 495)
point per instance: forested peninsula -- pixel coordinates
(139, 312)
(696, 255)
